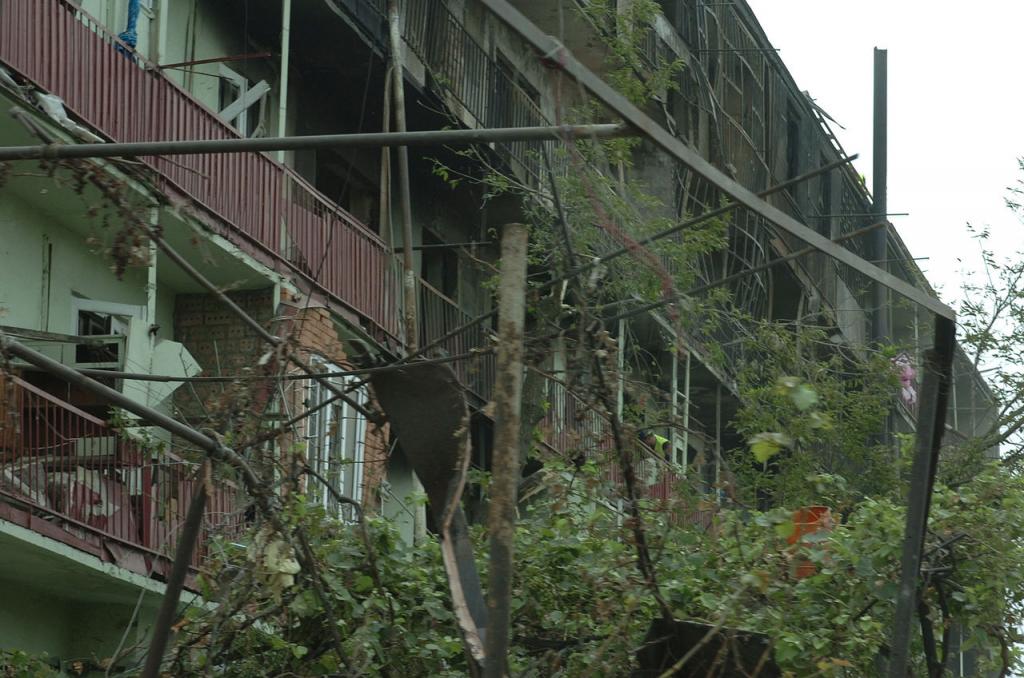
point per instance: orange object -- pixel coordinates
(808, 520)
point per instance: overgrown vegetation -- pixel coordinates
(812, 409)
(581, 609)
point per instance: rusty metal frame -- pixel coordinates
(935, 388)
(633, 116)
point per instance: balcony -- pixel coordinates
(439, 315)
(68, 475)
(477, 88)
(572, 427)
(64, 51)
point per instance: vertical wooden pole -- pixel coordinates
(282, 104)
(505, 465)
(404, 194)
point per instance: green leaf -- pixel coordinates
(785, 530)
(767, 445)
(804, 397)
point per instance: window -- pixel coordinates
(92, 318)
(92, 323)
(241, 102)
(335, 438)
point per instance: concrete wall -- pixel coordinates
(35, 622)
(37, 296)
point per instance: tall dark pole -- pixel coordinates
(931, 424)
(881, 331)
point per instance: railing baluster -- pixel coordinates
(97, 483)
(127, 98)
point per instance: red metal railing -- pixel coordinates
(93, 484)
(439, 315)
(65, 51)
(574, 429)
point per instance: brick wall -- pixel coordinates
(314, 333)
(224, 345)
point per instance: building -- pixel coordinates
(305, 241)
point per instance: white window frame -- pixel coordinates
(236, 113)
(122, 314)
(335, 444)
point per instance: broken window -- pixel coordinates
(93, 324)
(241, 102)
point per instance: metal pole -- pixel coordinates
(404, 197)
(620, 360)
(686, 416)
(718, 438)
(674, 405)
(59, 151)
(505, 470)
(386, 227)
(175, 582)
(931, 423)
(282, 104)
(879, 178)
(71, 376)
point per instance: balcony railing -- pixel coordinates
(79, 480)
(63, 50)
(462, 69)
(439, 315)
(574, 429)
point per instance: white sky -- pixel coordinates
(955, 109)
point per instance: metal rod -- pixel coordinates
(674, 407)
(175, 582)
(727, 49)
(632, 115)
(260, 331)
(686, 416)
(505, 469)
(879, 151)
(451, 245)
(858, 214)
(168, 378)
(404, 192)
(218, 60)
(931, 424)
(701, 218)
(361, 140)
(735, 276)
(72, 376)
